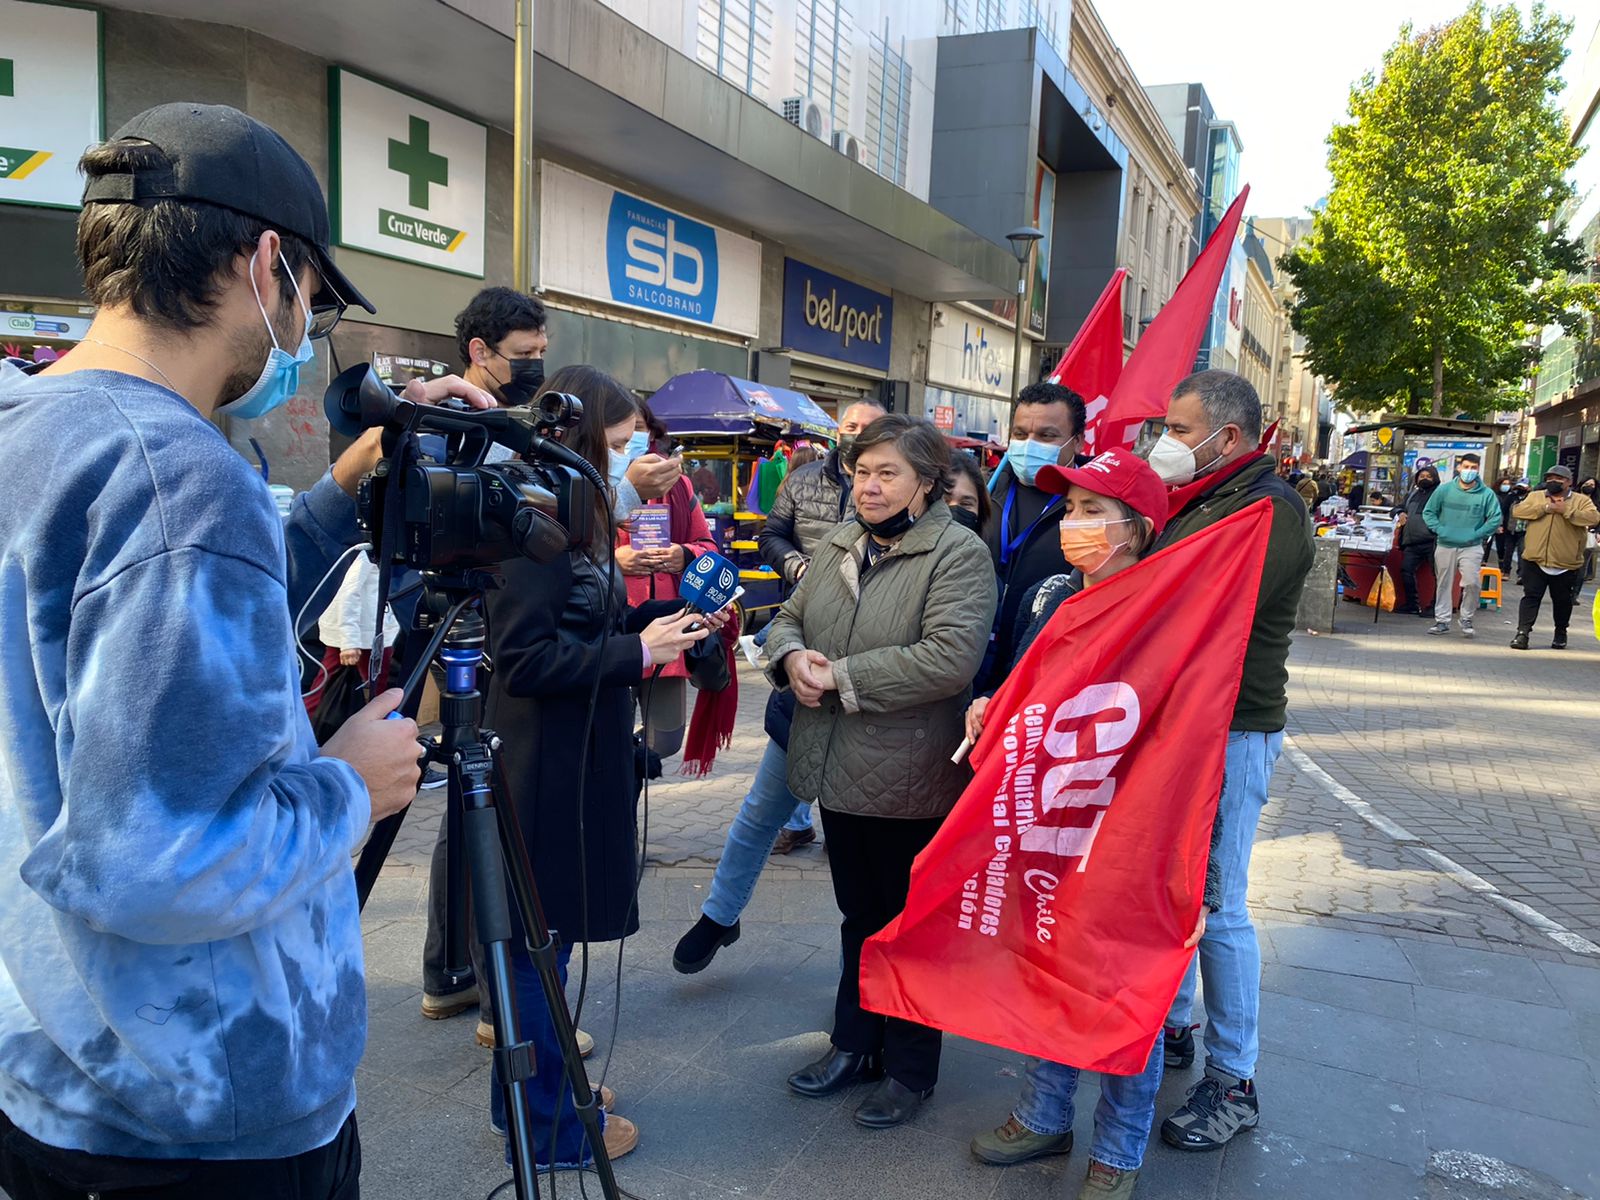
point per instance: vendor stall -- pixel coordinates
(735, 435)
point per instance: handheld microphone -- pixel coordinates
(710, 584)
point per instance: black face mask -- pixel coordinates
(526, 376)
(889, 528)
(1427, 483)
(965, 517)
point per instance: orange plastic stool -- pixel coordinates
(1489, 580)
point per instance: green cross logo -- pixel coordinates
(418, 164)
(8, 77)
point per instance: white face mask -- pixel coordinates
(1174, 461)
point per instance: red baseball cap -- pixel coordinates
(1118, 473)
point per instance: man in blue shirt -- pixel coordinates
(181, 996)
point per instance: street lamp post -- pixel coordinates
(1022, 241)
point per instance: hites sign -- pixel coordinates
(604, 244)
(834, 318)
(409, 178)
(969, 354)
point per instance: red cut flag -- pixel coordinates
(1048, 914)
(1094, 359)
(1166, 351)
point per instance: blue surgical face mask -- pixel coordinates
(1028, 457)
(638, 445)
(1469, 474)
(617, 468)
(280, 374)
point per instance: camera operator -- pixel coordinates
(180, 958)
(549, 637)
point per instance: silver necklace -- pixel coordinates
(140, 357)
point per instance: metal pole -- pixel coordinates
(523, 231)
(1016, 348)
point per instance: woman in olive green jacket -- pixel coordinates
(879, 644)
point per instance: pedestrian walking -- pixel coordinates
(1415, 539)
(879, 645)
(1115, 507)
(1505, 538)
(1461, 515)
(1218, 414)
(1559, 521)
(812, 502)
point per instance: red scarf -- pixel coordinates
(711, 726)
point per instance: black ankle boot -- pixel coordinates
(1559, 642)
(1520, 642)
(699, 946)
(891, 1103)
(835, 1071)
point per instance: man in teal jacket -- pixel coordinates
(1461, 514)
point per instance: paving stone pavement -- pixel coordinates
(1418, 1042)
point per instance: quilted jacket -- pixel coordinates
(905, 641)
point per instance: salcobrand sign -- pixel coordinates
(834, 318)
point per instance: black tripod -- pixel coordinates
(485, 832)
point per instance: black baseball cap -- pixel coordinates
(219, 155)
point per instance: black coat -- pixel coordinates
(545, 640)
(1036, 558)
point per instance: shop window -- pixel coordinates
(888, 109)
(822, 41)
(734, 39)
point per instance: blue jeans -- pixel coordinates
(766, 806)
(1230, 958)
(550, 1101)
(1122, 1119)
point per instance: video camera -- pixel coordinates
(461, 512)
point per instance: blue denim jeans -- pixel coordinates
(550, 1101)
(1229, 960)
(767, 805)
(1122, 1119)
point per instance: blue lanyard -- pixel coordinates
(1009, 544)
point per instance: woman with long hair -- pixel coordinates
(557, 630)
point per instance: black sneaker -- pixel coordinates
(1520, 642)
(1178, 1044)
(1218, 1108)
(433, 777)
(699, 946)
(1559, 642)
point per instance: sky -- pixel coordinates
(1282, 72)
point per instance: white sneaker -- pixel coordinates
(752, 652)
(1466, 629)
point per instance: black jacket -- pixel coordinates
(811, 502)
(1037, 558)
(1416, 535)
(1263, 695)
(545, 639)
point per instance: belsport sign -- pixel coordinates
(835, 318)
(602, 243)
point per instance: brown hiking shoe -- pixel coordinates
(621, 1136)
(1014, 1142)
(1107, 1183)
(790, 840)
(437, 1008)
(485, 1037)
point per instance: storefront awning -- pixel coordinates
(1442, 427)
(710, 403)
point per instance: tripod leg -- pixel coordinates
(513, 1060)
(542, 946)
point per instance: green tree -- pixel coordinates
(1442, 246)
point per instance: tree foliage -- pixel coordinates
(1441, 246)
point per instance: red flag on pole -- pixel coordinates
(1049, 914)
(1094, 360)
(1166, 351)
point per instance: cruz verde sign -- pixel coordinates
(834, 318)
(409, 178)
(50, 101)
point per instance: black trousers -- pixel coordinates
(1505, 545)
(871, 862)
(31, 1170)
(1563, 589)
(1412, 557)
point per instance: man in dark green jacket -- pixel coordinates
(1210, 454)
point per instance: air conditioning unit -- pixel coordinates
(846, 144)
(806, 113)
